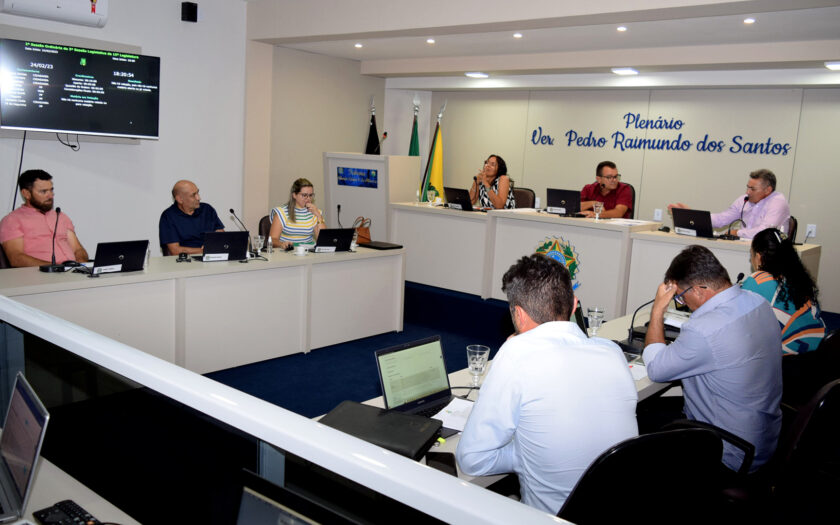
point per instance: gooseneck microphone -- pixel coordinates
(633, 320)
(251, 247)
(51, 268)
(728, 235)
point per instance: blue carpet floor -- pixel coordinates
(312, 384)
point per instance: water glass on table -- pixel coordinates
(595, 315)
(598, 207)
(430, 196)
(257, 243)
(477, 356)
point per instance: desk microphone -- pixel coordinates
(51, 268)
(728, 235)
(242, 226)
(633, 320)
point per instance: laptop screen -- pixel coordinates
(23, 431)
(412, 371)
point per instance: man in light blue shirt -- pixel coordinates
(553, 400)
(727, 355)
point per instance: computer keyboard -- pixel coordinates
(66, 512)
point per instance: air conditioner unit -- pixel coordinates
(80, 12)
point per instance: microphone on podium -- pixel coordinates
(51, 268)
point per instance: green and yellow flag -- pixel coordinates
(433, 176)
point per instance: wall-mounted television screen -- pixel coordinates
(68, 89)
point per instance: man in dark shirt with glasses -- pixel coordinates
(607, 188)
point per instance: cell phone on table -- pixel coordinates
(443, 461)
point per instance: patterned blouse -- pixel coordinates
(484, 199)
(299, 232)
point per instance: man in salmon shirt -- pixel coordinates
(27, 233)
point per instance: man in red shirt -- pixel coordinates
(616, 196)
(27, 233)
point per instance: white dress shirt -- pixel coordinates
(552, 402)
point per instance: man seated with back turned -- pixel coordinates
(763, 207)
(616, 196)
(728, 354)
(553, 400)
(183, 225)
(27, 233)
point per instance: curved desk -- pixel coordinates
(211, 316)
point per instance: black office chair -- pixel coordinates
(804, 374)
(808, 460)
(265, 229)
(633, 209)
(793, 226)
(679, 469)
(525, 197)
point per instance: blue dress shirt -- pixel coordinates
(729, 358)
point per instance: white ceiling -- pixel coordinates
(790, 40)
(801, 25)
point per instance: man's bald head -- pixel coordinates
(186, 196)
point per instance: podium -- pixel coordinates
(364, 185)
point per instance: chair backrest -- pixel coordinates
(681, 467)
(633, 209)
(804, 374)
(525, 197)
(809, 455)
(793, 226)
(265, 229)
(4, 261)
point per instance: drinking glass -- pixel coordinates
(430, 196)
(477, 356)
(595, 315)
(598, 207)
(257, 243)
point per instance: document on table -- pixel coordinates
(638, 371)
(455, 414)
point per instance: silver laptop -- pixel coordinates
(413, 377)
(20, 446)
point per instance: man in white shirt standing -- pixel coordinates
(554, 400)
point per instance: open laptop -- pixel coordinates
(458, 199)
(224, 246)
(121, 256)
(20, 446)
(562, 202)
(333, 240)
(413, 377)
(696, 223)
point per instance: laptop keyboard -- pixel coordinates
(429, 411)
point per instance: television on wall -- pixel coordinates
(68, 89)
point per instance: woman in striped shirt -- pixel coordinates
(299, 220)
(782, 279)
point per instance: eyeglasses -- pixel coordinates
(679, 298)
(611, 177)
(307, 195)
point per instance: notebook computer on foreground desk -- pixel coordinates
(20, 446)
(224, 246)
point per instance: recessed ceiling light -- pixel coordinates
(476, 74)
(624, 71)
(749, 21)
(834, 66)
(358, 45)
(430, 40)
(517, 35)
(621, 29)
